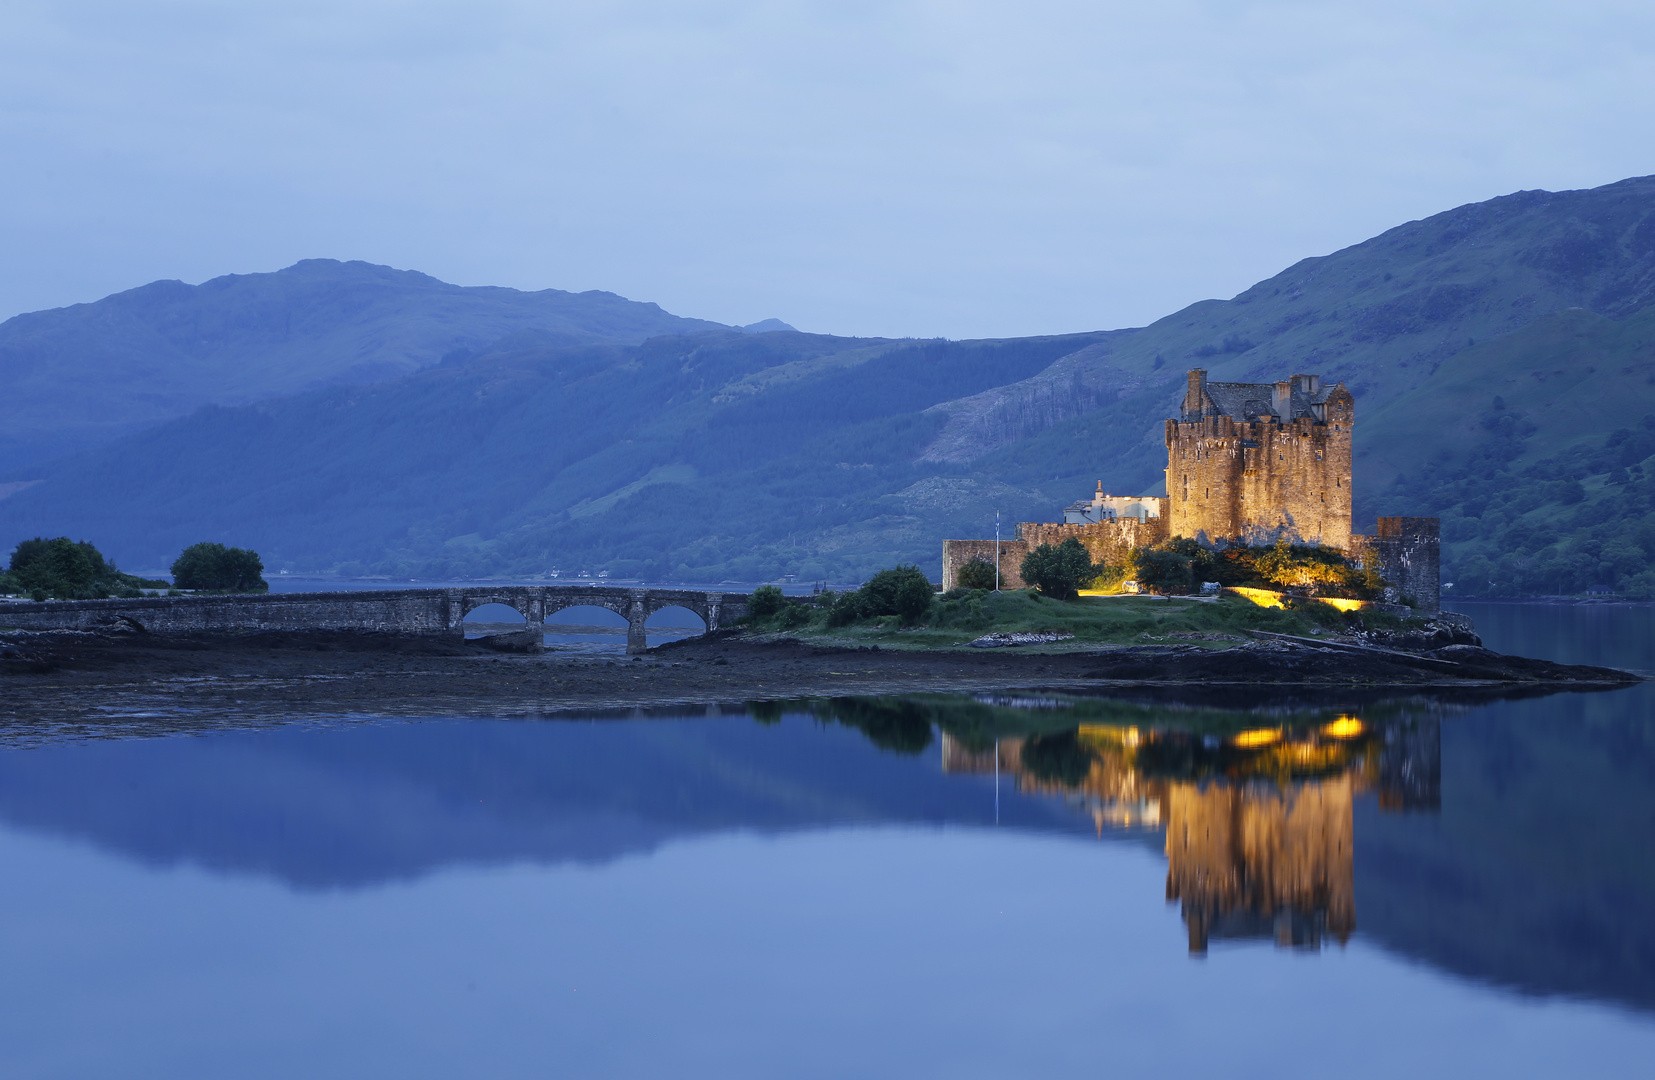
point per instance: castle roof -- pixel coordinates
(1249, 401)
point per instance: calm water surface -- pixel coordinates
(1359, 886)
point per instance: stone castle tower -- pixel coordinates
(1261, 461)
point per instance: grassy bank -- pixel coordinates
(963, 616)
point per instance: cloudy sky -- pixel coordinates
(908, 168)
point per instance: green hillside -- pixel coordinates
(1533, 449)
(78, 376)
(1497, 352)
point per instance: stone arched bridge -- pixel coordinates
(420, 611)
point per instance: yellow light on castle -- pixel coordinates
(1249, 740)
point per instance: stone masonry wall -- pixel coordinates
(1408, 554)
(399, 611)
(1108, 542)
(1261, 480)
(956, 553)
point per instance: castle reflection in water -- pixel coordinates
(1258, 822)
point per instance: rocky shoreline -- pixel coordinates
(80, 676)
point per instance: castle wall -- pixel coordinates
(956, 553)
(1408, 553)
(1261, 480)
(1109, 542)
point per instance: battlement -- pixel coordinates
(1261, 461)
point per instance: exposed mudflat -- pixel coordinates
(98, 680)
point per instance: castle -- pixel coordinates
(1249, 462)
(1257, 462)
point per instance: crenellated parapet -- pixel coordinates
(1261, 462)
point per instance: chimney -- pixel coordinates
(1307, 385)
(1195, 399)
(1284, 401)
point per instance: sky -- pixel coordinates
(957, 169)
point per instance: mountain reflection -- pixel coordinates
(1505, 839)
(1258, 823)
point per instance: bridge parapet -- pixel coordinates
(419, 611)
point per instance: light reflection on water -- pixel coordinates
(1224, 882)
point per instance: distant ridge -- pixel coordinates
(768, 326)
(78, 376)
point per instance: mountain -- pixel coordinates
(81, 375)
(1498, 352)
(698, 457)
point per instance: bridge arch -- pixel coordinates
(492, 613)
(675, 620)
(472, 601)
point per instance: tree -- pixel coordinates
(766, 601)
(66, 569)
(1165, 570)
(1059, 572)
(210, 567)
(60, 567)
(904, 591)
(977, 574)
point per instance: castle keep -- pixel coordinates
(1254, 462)
(1260, 461)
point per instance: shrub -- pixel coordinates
(978, 574)
(846, 609)
(1178, 565)
(1061, 571)
(962, 609)
(210, 567)
(766, 601)
(904, 591)
(1165, 571)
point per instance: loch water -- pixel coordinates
(1030, 883)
